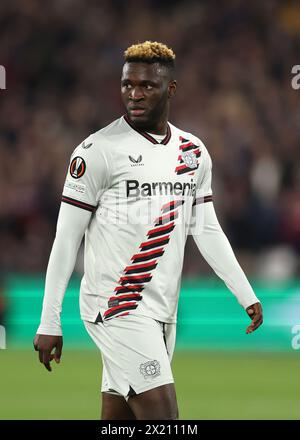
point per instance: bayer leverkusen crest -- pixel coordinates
(190, 159)
(150, 369)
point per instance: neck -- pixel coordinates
(159, 128)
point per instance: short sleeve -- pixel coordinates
(87, 176)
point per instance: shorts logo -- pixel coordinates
(189, 158)
(150, 369)
(77, 167)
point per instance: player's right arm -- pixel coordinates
(86, 180)
(71, 225)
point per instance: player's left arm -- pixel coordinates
(216, 249)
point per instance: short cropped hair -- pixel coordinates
(151, 52)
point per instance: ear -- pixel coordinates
(172, 88)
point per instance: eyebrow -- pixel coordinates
(142, 83)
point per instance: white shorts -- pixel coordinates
(136, 353)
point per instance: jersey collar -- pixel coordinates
(147, 135)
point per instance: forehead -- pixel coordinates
(144, 72)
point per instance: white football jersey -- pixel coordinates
(141, 193)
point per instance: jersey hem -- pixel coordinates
(92, 318)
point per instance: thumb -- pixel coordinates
(250, 311)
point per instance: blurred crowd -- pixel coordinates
(63, 61)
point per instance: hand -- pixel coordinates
(256, 314)
(44, 344)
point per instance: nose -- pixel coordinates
(136, 94)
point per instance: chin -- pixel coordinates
(140, 121)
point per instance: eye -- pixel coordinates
(127, 86)
(149, 87)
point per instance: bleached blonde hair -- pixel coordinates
(150, 51)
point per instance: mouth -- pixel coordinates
(137, 111)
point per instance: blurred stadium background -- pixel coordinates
(234, 63)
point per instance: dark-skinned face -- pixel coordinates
(146, 90)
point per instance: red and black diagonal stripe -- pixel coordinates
(138, 268)
(182, 169)
(163, 219)
(145, 256)
(139, 279)
(156, 232)
(122, 308)
(157, 242)
(116, 300)
(187, 147)
(183, 139)
(135, 283)
(129, 288)
(172, 205)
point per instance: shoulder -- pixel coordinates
(101, 141)
(110, 131)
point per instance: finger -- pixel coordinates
(46, 359)
(254, 324)
(35, 343)
(40, 355)
(257, 323)
(48, 366)
(57, 353)
(257, 317)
